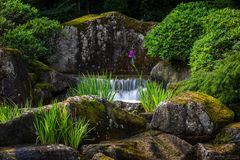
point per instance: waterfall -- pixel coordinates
(127, 89)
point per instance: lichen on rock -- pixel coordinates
(192, 115)
(101, 42)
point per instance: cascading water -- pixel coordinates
(127, 89)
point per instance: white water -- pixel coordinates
(127, 89)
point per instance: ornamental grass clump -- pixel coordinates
(94, 85)
(57, 126)
(10, 111)
(152, 94)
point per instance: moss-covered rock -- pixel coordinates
(101, 42)
(229, 134)
(221, 152)
(149, 145)
(193, 115)
(106, 119)
(37, 152)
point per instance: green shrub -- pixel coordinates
(222, 82)
(172, 39)
(32, 38)
(221, 34)
(16, 11)
(152, 95)
(57, 126)
(94, 85)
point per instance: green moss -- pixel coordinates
(131, 23)
(212, 106)
(87, 108)
(123, 117)
(11, 51)
(222, 138)
(42, 86)
(234, 125)
(35, 66)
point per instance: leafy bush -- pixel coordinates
(222, 82)
(94, 85)
(16, 11)
(221, 34)
(152, 95)
(57, 126)
(32, 38)
(172, 39)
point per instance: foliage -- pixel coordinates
(57, 126)
(152, 95)
(16, 11)
(10, 111)
(116, 5)
(221, 34)
(94, 85)
(32, 38)
(222, 82)
(173, 38)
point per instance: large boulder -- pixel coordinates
(14, 83)
(39, 152)
(101, 42)
(192, 115)
(229, 134)
(18, 131)
(170, 72)
(217, 152)
(106, 120)
(149, 145)
(47, 83)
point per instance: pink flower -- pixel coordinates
(132, 54)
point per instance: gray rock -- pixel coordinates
(229, 134)
(14, 83)
(101, 42)
(18, 131)
(167, 72)
(217, 152)
(106, 121)
(192, 115)
(39, 152)
(100, 156)
(149, 145)
(134, 108)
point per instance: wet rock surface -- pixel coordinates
(192, 115)
(149, 145)
(101, 42)
(39, 152)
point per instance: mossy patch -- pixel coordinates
(11, 51)
(35, 66)
(218, 112)
(88, 108)
(131, 23)
(124, 118)
(42, 86)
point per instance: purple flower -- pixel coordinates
(132, 54)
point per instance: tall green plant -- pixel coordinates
(152, 95)
(57, 126)
(94, 85)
